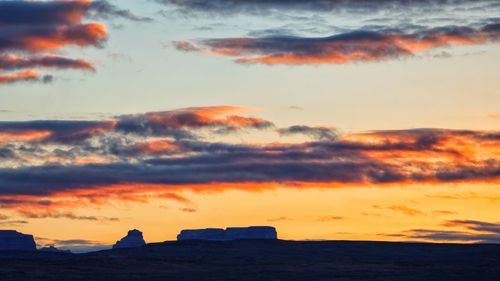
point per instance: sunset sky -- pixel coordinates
(328, 119)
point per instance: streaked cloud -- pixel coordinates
(319, 133)
(348, 47)
(228, 7)
(57, 165)
(13, 223)
(64, 215)
(473, 232)
(23, 76)
(330, 218)
(278, 219)
(402, 209)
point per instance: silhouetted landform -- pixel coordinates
(133, 239)
(11, 240)
(52, 249)
(250, 260)
(230, 233)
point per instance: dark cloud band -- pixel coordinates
(166, 149)
(257, 7)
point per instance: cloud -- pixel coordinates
(319, 133)
(35, 39)
(28, 75)
(56, 166)
(11, 62)
(178, 122)
(443, 212)
(349, 47)
(13, 223)
(52, 131)
(330, 218)
(402, 209)
(105, 10)
(230, 7)
(59, 215)
(15, 12)
(451, 236)
(475, 232)
(279, 219)
(31, 30)
(479, 226)
(466, 196)
(74, 245)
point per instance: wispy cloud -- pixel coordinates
(13, 222)
(330, 218)
(63, 215)
(401, 209)
(278, 219)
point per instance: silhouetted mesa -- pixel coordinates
(11, 240)
(132, 240)
(202, 234)
(230, 233)
(253, 232)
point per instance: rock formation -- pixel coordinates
(252, 232)
(52, 249)
(202, 234)
(11, 240)
(230, 233)
(132, 240)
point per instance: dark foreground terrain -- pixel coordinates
(263, 260)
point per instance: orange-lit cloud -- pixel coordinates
(27, 75)
(12, 62)
(356, 46)
(204, 117)
(54, 164)
(156, 146)
(30, 29)
(53, 38)
(23, 136)
(402, 209)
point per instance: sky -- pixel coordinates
(331, 119)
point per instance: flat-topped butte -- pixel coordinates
(230, 233)
(11, 240)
